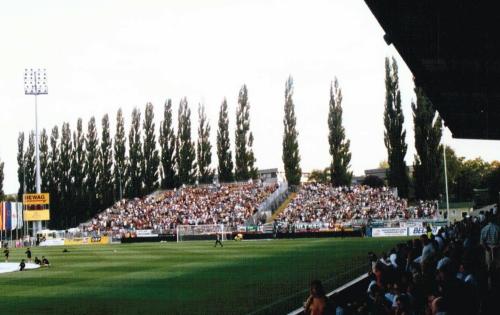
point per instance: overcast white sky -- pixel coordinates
(102, 55)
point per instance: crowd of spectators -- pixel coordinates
(229, 204)
(456, 271)
(321, 203)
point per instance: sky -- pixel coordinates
(104, 55)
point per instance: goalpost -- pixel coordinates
(200, 232)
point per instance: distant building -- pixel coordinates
(357, 180)
(268, 175)
(379, 172)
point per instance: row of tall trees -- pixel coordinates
(86, 171)
(427, 168)
(338, 172)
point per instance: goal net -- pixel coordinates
(200, 232)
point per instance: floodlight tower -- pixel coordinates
(35, 83)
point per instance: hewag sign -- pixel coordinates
(36, 199)
(36, 207)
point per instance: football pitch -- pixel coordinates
(249, 277)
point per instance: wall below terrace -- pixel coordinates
(246, 236)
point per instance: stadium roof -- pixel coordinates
(453, 50)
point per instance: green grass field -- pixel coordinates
(250, 277)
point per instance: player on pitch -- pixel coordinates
(218, 240)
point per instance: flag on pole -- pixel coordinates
(20, 222)
(8, 217)
(13, 206)
(2, 220)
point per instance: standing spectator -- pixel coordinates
(490, 241)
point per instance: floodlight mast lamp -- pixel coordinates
(35, 83)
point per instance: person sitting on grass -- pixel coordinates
(37, 261)
(45, 262)
(22, 265)
(28, 254)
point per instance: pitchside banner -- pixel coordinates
(36, 207)
(386, 232)
(417, 231)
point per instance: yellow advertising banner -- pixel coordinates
(100, 240)
(36, 199)
(36, 215)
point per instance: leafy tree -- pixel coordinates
(383, 164)
(44, 160)
(120, 165)
(105, 180)
(167, 144)
(93, 160)
(2, 194)
(428, 131)
(77, 171)
(291, 156)
(151, 160)
(394, 134)
(65, 184)
(320, 176)
(204, 148)
(339, 145)
(20, 166)
(373, 181)
(224, 154)
(472, 174)
(30, 164)
(135, 180)
(186, 152)
(493, 182)
(244, 157)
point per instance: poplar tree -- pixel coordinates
(186, 151)
(224, 154)
(2, 194)
(244, 157)
(394, 134)
(252, 170)
(134, 175)
(120, 165)
(167, 144)
(151, 160)
(91, 169)
(291, 156)
(44, 159)
(54, 178)
(428, 131)
(105, 182)
(339, 145)
(65, 152)
(20, 166)
(78, 158)
(204, 148)
(29, 162)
